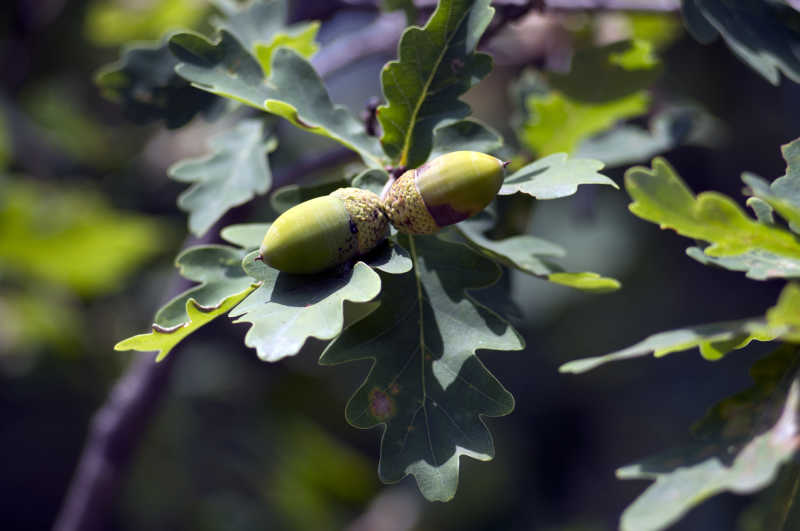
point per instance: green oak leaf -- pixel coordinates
(610, 72)
(293, 91)
(245, 235)
(742, 443)
(763, 34)
(164, 340)
(261, 28)
(465, 135)
(145, 84)
(674, 126)
(557, 123)
(426, 387)
(660, 196)
(291, 195)
(757, 264)
(555, 176)
(286, 309)
(786, 313)
(714, 340)
(217, 268)
(528, 254)
(436, 65)
(373, 180)
(232, 175)
(784, 193)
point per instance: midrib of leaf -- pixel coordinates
(420, 304)
(421, 99)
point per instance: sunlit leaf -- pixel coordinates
(163, 340)
(426, 388)
(742, 444)
(217, 268)
(714, 340)
(558, 124)
(436, 65)
(260, 27)
(234, 173)
(112, 23)
(660, 196)
(555, 176)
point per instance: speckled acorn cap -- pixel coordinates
(325, 231)
(443, 191)
(366, 211)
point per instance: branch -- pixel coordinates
(119, 425)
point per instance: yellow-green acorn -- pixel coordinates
(443, 191)
(325, 231)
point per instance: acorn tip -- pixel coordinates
(506, 163)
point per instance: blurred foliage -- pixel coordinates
(111, 23)
(6, 149)
(72, 237)
(69, 127)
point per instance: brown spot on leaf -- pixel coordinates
(381, 405)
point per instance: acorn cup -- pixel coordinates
(443, 191)
(324, 232)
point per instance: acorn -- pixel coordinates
(443, 191)
(324, 232)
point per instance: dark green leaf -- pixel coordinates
(465, 135)
(144, 82)
(763, 34)
(290, 195)
(555, 176)
(293, 91)
(744, 441)
(372, 180)
(426, 386)
(407, 6)
(436, 65)
(232, 175)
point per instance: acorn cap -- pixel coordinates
(366, 211)
(443, 191)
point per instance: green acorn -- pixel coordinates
(325, 231)
(443, 191)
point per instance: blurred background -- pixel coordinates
(89, 230)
